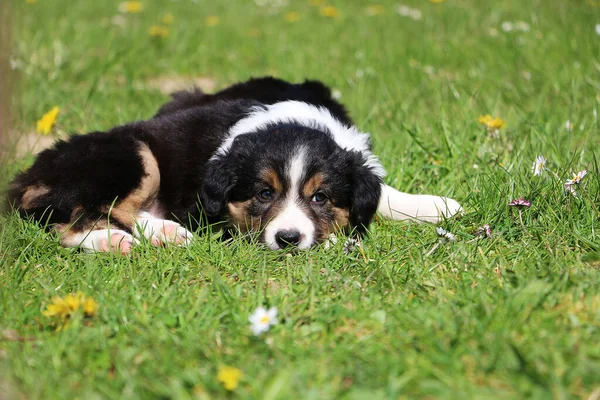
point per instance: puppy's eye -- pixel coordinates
(265, 194)
(319, 198)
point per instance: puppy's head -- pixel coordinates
(292, 184)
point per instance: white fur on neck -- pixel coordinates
(347, 137)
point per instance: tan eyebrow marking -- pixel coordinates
(271, 177)
(311, 186)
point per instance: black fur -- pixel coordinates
(96, 169)
(267, 90)
(88, 171)
(366, 191)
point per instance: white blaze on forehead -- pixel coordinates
(347, 137)
(292, 217)
(295, 170)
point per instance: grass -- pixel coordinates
(514, 316)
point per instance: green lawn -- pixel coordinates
(513, 316)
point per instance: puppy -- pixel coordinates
(279, 159)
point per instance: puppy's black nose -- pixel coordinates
(287, 237)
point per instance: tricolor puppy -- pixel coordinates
(279, 159)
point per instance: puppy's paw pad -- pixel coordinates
(118, 243)
(176, 234)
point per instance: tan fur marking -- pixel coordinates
(67, 237)
(61, 228)
(341, 219)
(313, 184)
(31, 194)
(239, 216)
(271, 177)
(76, 213)
(127, 209)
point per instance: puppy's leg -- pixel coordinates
(109, 227)
(396, 205)
(161, 231)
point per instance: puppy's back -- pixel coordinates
(267, 90)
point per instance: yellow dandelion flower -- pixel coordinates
(229, 377)
(436, 1)
(376, 9)
(492, 123)
(167, 19)
(484, 119)
(212, 20)
(497, 123)
(329, 12)
(90, 307)
(45, 124)
(158, 31)
(74, 301)
(59, 308)
(292, 16)
(131, 7)
(63, 308)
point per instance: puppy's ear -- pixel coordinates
(366, 190)
(219, 180)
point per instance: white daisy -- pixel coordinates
(598, 29)
(538, 165)
(576, 178)
(484, 231)
(403, 10)
(569, 126)
(507, 26)
(262, 319)
(445, 234)
(415, 14)
(571, 189)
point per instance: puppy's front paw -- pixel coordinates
(162, 231)
(107, 241)
(448, 207)
(416, 207)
